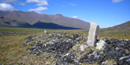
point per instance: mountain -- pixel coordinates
(19, 18)
(125, 27)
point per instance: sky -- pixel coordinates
(106, 13)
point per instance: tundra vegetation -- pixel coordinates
(16, 47)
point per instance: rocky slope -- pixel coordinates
(24, 19)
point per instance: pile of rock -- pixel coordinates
(68, 49)
(61, 44)
(57, 43)
(91, 57)
(116, 50)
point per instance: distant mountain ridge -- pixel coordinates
(18, 18)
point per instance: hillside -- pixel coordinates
(125, 27)
(19, 18)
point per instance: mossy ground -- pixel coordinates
(11, 52)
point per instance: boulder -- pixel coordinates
(92, 57)
(101, 44)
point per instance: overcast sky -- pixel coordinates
(106, 13)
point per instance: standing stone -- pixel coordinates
(92, 34)
(45, 31)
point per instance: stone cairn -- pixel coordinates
(62, 48)
(93, 31)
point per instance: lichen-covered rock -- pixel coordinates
(115, 49)
(67, 59)
(101, 44)
(70, 49)
(124, 60)
(25, 43)
(60, 47)
(109, 62)
(92, 57)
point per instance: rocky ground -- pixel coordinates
(72, 50)
(61, 48)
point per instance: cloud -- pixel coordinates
(6, 7)
(8, 1)
(116, 1)
(21, 3)
(72, 4)
(75, 17)
(39, 2)
(39, 9)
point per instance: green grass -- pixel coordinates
(11, 51)
(3, 29)
(101, 33)
(6, 29)
(116, 35)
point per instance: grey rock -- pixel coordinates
(83, 47)
(92, 57)
(26, 43)
(67, 59)
(124, 60)
(93, 31)
(101, 44)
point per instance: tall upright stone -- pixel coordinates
(93, 31)
(45, 31)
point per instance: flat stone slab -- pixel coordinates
(93, 31)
